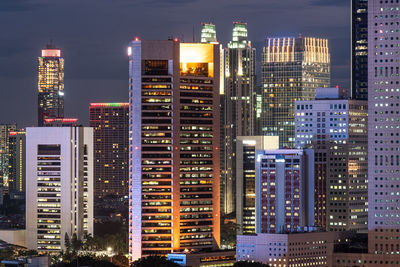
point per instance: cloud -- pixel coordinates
(18, 5)
(330, 3)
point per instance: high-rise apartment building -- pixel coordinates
(174, 125)
(336, 128)
(5, 130)
(59, 186)
(292, 69)
(50, 84)
(110, 122)
(16, 162)
(238, 107)
(383, 127)
(359, 49)
(284, 186)
(208, 33)
(246, 148)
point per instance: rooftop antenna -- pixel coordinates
(193, 35)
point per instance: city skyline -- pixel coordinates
(106, 47)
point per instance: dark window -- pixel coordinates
(49, 149)
(155, 67)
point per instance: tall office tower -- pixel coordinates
(50, 84)
(5, 130)
(59, 186)
(359, 49)
(174, 147)
(284, 186)
(383, 127)
(110, 122)
(292, 69)
(336, 128)
(208, 33)
(238, 108)
(16, 164)
(246, 147)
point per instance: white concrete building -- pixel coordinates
(288, 250)
(59, 185)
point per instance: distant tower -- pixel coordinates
(359, 49)
(110, 122)
(50, 84)
(238, 107)
(291, 69)
(208, 33)
(5, 130)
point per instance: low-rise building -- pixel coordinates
(204, 259)
(288, 250)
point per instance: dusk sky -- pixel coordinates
(94, 34)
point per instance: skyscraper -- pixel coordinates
(110, 122)
(246, 149)
(16, 163)
(50, 84)
(359, 49)
(59, 186)
(208, 33)
(292, 69)
(383, 127)
(238, 107)
(174, 170)
(5, 130)
(336, 128)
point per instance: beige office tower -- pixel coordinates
(174, 147)
(246, 148)
(59, 186)
(291, 69)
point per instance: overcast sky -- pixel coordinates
(94, 34)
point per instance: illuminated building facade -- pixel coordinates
(238, 108)
(60, 122)
(5, 130)
(291, 69)
(50, 84)
(16, 164)
(59, 186)
(359, 50)
(110, 122)
(336, 129)
(174, 155)
(208, 33)
(246, 147)
(284, 186)
(288, 250)
(383, 128)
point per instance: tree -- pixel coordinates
(86, 260)
(76, 244)
(153, 261)
(249, 264)
(67, 243)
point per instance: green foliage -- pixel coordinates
(249, 264)
(153, 261)
(6, 254)
(67, 243)
(86, 260)
(228, 234)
